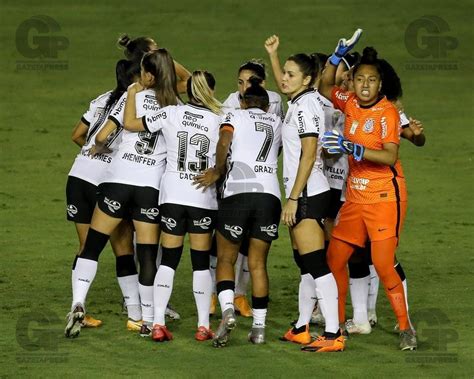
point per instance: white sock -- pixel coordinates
(326, 289)
(129, 286)
(226, 300)
(259, 316)
(212, 269)
(373, 288)
(242, 283)
(359, 289)
(146, 301)
(163, 286)
(83, 276)
(306, 300)
(202, 289)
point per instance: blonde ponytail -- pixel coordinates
(202, 85)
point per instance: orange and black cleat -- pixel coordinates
(324, 344)
(301, 338)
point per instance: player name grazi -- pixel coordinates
(264, 169)
(139, 159)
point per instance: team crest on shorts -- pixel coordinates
(271, 230)
(203, 223)
(235, 230)
(169, 222)
(113, 205)
(71, 210)
(369, 125)
(151, 213)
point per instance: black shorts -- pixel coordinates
(335, 203)
(124, 201)
(257, 214)
(313, 207)
(179, 219)
(81, 197)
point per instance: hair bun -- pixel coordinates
(369, 54)
(255, 80)
(124, 40)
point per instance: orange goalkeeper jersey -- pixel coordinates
(370, 182)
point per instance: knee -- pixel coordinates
(200, 260)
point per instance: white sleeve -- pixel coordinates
(116, 115)
(310, 119)
(155, 122)
(229, 119)
(279, 108)
(404, 121)
(88, 116)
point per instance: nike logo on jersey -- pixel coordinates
(234, 230)
(382, 229)
(113, 205)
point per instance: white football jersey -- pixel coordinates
(92, 168)
(305, 118)
(140, 158)
(191, 133)
(335, 167)
(232, 103)
(253, 155)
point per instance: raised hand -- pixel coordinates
(271, 44)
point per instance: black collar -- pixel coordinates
(371, 105)
(295, 99)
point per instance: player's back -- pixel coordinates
(253, 160)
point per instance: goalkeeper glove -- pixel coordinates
(335, 143)
(344, 46)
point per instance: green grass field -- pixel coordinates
(39, 108)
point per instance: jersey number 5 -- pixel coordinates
(198, 140)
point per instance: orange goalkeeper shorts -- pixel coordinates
(355, 223)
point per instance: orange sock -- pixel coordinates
(383, 254)
(338, 255)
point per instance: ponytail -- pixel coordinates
(199, 87)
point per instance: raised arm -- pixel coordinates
(271, 45)
(183, 75)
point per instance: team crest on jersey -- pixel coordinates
(271, 230)
(169, 222)
(151, 213)
(71, 210)
(235, 230)
(203, 223)
(354, 126)
(369, 125)
(113, 205)
(228, 117)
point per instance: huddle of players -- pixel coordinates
(156, 150)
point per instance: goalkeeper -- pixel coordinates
(376, 195)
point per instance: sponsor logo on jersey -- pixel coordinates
(301, 123)
(342, 96)
(369, 125)
(151, 213)
(234, 230)
(359, 183)
(383, 122)
(156, 117)
(119, 107)
(271, 230)
(169, 222)
(354, 126)
(71, 210)
(113, 205)
(189, 115)
(203, 223)
(316, 122)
